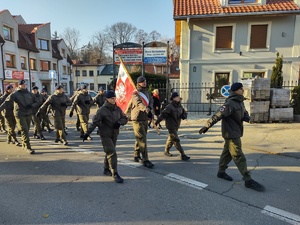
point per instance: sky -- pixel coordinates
(90, 16)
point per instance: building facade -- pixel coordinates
(28, 53)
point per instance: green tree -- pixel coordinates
(296, 100)
(277, 78)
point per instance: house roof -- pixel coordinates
(27, 41)
(30, 28)
(184, 9)
(55, 50)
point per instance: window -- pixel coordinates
(92, 87)
(44, 65)
(98, 72)
(54, 66)
(77, 73)
(63, 51)
(221, 79)
(241, 1)
(10, 61)
(253, 74)
(91, 73)
(33, 64)
(43, 44)
(223, 38)
(64, 69)
(84, 74)
(258, 36)
(23, 63)
(8, 33)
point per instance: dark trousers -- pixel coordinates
(233, 151)
(109, 146)
(140, 132)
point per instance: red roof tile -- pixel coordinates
(202, 8)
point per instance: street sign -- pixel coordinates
(52, 74)
(155, 55)
(225, 90)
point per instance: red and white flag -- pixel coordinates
(124, 88)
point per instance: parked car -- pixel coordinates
(92, 93)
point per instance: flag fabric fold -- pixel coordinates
(124, 88)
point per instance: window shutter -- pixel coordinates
(224, 37)
(258, 37)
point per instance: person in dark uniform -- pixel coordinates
(173, 114)
(45, 114)
(100, 97)
(10, 120)
(141, 105)
(109, 117)
(83, 103)
(23, 101)
(233, 113)
(37, 129)
(77, 92)
(2, 120)
(59, 103)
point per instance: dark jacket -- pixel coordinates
(105, 118)
(23, 101)
(137, 108)
(232, 113)
(82, 102)
(173, 113)
(59, 103)
(40, 98)
(99, 99)
(156, 105)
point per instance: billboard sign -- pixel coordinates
(129, 56)
(155, 55)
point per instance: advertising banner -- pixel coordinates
(129, 56)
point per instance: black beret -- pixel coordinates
(236, 86)
(110, 94)
(140, 79)
(21, 82)
(35, 88)
(174, 95)
(8, 87)
(59, 87)
(83, 86)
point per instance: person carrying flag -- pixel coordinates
(141, 105)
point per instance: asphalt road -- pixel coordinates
(65, 185)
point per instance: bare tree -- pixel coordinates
(71, 36)
(154, 36)
(141, 36)
(120, 32)
(100, 46)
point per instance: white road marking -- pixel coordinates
(129, 163)
(282, 215)
(185, 181)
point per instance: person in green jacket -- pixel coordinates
(23, 101)
(9, 117)
(59, 103)
(173, 114)
(37, 129)
(233, 113)
(108, 118)
(82, 103)
(2, 120)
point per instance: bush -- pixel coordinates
(277, 78)
(296, 100)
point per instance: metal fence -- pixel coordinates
(196, 97)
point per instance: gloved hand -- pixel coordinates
(38, 114)
(117, 125)
(87, 102)
(29, 107)
(63, 104)
(203, 130)
(71, 114)
(85, 136)
(183, 116)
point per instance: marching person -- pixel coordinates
(2, 119)
(233, 113)
(100, 97)
(59, 103)
(83, 103)
(77, 92)
(141, 105)
(37, 129)
(44, 114)
(173, 114)
(109, 118)
(23, 101)
(10, 120)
